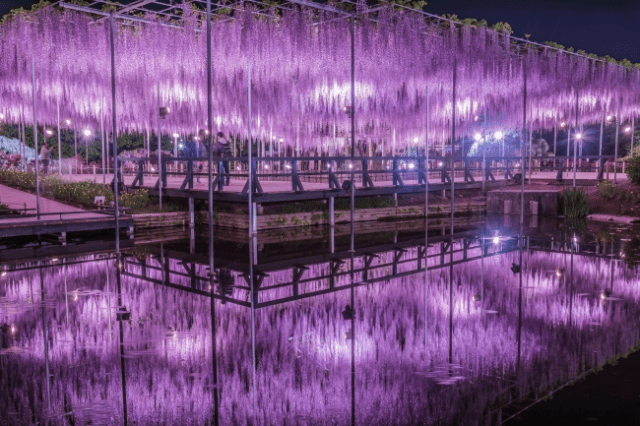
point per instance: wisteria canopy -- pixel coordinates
(300, 63)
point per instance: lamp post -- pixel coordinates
(87, 134)
(175, 149)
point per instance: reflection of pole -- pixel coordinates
(46, 339)
(114, 135)
(35, 136)
(123, 378)
(250, 153)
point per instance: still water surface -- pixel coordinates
(499, 322)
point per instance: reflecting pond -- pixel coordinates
(314, 333)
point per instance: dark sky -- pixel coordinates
(597, 26)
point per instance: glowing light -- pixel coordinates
(496, 240)
(13, 329)
(440, 164)
(288, 167)
(281, 140)
(627, 129)
(578, 136)
(609, 117)
(415, 140)
(563, 124)
(477, 137)
(4, 273)
(75, 295)
(266, 167)
(476, 118)
(351, 166)
(87, 132)
(176, 135)
(49, 132)
(67, 122)
(55, 259)
(559, 272)
(180, 145)
(1, 116)
(412, 166)
(499, 135)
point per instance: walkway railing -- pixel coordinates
(369, 172)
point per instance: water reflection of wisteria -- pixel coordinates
(410, 367)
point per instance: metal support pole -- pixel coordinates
(114, 132)
(59, 139)
(35, 136)
(159, 151)
(104, 177)
(426, 205)
(453, 138)
(353, 133)
(252, 231)
(615, 157)
(75, 146)
(555, 143)
(575, 140)
(600, 162)
(633, 132)
(332, 212)
(522, 142)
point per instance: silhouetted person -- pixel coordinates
(45, 157)
(222, 149)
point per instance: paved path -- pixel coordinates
(19, 200)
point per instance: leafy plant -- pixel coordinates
(633, 169)
(606, 189)
(575, 203)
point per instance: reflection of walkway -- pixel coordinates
(55, 217)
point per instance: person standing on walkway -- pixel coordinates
(222, 149)
(45, 157)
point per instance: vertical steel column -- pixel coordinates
(453, 203)
(555, 143)
(115, 136)
(600, 162)
(159, 149)
(210, 212)
(249, 152)
(104, 177)
(633, 132)
(522, 141)
(615, 157)
(353, 130)
(426, 208)
(75, 146)
(575, 139)
(59, 141)
(35, 135)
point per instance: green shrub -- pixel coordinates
(138, 199)
(606, 189)
(575, 203)
(633, 169)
